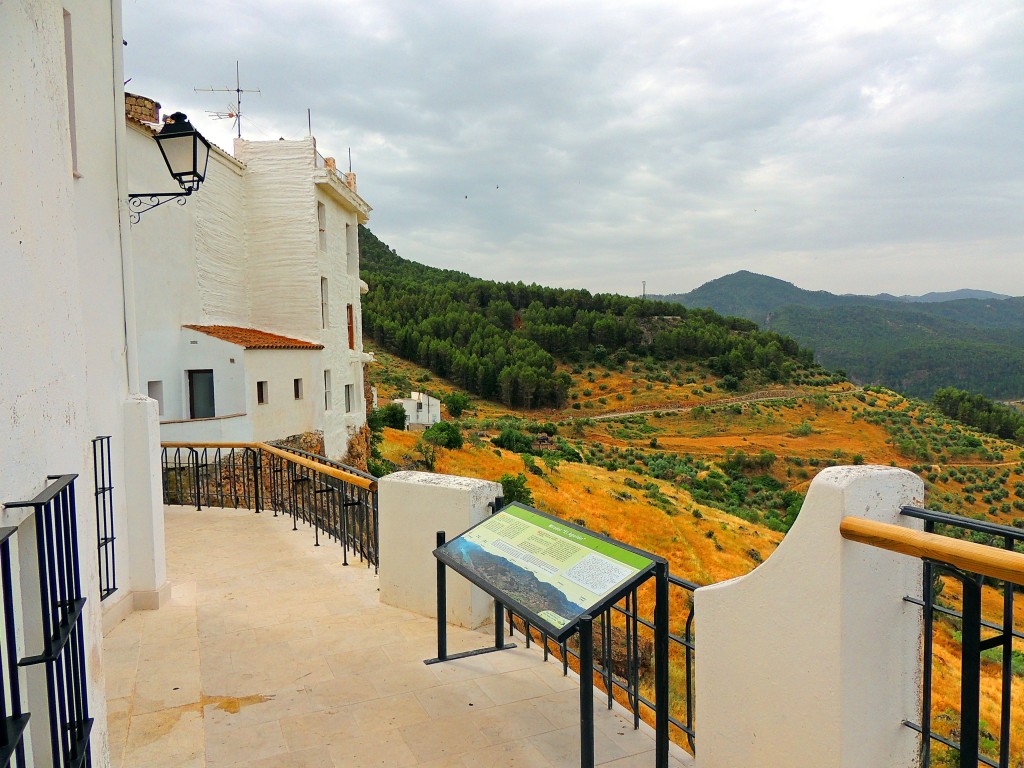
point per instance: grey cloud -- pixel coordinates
(593, 145)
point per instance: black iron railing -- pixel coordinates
(980, 637)
(104, 493)
(336, 505)
(13, 719)
(337, 501)
(62, 658)
(624, 654)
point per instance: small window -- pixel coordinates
(321, 219)
(351, 328)
(297, 386)
(352, 249)
(348, 398)
(262, 393)
(156, 392)
(70, 78)
(327, 390)
(325, 314)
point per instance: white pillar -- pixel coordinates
(412, 507)
(144, 500)
(813, 659)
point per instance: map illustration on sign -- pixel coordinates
(554, 570)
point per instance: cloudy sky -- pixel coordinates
(855, 147)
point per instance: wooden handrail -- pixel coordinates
(326, 469)
(1002, 564)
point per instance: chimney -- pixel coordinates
(141, 108)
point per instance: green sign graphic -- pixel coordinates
(553, 571)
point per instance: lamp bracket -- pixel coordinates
(139, 204)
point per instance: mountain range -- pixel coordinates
(968, 339)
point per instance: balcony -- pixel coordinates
(279, 651)
(273, 653)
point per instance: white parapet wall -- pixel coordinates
(412, 507)
(813, 659)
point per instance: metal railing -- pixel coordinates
(335, 500)
(104, 493)
(989, 559)
(62, 657)
(13, 720)
(623, 657)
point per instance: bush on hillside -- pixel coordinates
(444, 434)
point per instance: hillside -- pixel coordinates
(710, 481)
(913, 344)
(511, 342)
(676, 430)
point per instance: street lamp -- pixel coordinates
(186, 154)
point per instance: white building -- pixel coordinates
(421, 410)
(252, 329)
(68, 367)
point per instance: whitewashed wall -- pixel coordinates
(245, 251)
(284, 415)
(284, 281)
(66, 363)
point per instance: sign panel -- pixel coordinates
(550, 571)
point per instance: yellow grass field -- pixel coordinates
(805, 429)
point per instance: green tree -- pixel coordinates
(391, 415)
(514, 488)
(456, 403)
(444, 434)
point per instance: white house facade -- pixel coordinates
(268, 246)
(421, 410)
(68, 363)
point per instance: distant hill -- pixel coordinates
(963, 293)
(969, 339)
(505, 341)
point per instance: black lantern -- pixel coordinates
(186, 154)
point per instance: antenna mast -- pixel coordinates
(238, 90)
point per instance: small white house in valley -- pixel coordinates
(252, 329)
(421, 410)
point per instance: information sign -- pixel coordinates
(549, 571)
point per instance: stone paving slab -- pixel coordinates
(271, 653)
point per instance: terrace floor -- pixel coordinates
(271, 653)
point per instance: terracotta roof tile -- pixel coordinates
(250, 338)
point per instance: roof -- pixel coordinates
(250, 338)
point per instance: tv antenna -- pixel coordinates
(234, 110)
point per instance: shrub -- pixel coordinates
(514, 488)
(513, 440)
(391, 415)
(456, 403)
(444, 434)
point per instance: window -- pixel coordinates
(325, 313)
(200, 394)
(327, 390)
(262, 393)
(352, 249)
(156, 392)
(351, 328)
(348, 398)
(70, 79)
(297, 387)
(321, 219)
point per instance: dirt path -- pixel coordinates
(750, 397)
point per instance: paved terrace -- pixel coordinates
(271, 653)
